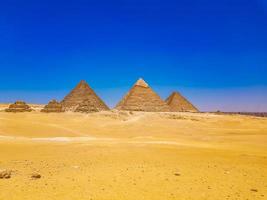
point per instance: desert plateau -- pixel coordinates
(132, 155)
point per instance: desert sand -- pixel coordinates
(133, 155)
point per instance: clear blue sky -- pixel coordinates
(213, 51)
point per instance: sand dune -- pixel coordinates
(123, 155)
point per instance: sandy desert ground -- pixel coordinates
(123, 155)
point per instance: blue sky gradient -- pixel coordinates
(214, 52)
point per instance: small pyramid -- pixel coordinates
(178, 103)
(19, 106)
(79, 94)
(53, 106)
(142, 98)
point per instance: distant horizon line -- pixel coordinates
(113, 108)
(235, 99)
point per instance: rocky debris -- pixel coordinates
(177, 174)
(5, 174)
(18, 106)
(81, 96)
(178, 103)
(117, 114)
(253, 190)
(254, 114)
(35, 175)
(175, 116)
(53, 106)
(142, 98)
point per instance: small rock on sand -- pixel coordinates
(5, 174)
(35, 176)
(177, 174)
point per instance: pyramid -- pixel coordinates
(178, 103)
(53, 106)
(142, 98)
(19, 106)
(81, 93)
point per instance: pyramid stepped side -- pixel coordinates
(79, 94)
(19, 106)
(87, 106)
(142, 98)
(53, 106)
(178, 103)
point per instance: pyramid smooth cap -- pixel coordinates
(141, 83)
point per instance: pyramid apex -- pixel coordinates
(82, 82)
(80, 93)
(176, 93)
(141, 82)
(179, 103)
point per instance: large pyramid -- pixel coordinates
(178, 103)
(81, 93)
(52, 106)
(19, 106)
(142, 98)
